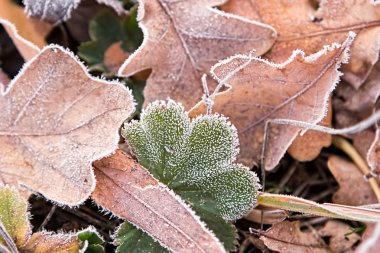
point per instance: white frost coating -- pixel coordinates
(296, 53)
(61, 10)
(141, 14)
(85, 70)
(371, 242)
(17, 35)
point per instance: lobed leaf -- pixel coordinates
(194, 158)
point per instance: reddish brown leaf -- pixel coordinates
(371, 243)
(55, 120)
(183, 39)
(300, 25)
(4, 79)
(297, 89)
(373, 155)
(287, 237)
(308, 146)
(130, 192)
(114, 57)
(354, 189)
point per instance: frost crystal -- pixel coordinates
(194, 158)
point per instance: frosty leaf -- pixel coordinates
(14, 217)
(183, 39)
(55, 120)
(91, 241)
(130, 192)
(29, 29)
(56, 11)
(296, 89)
(301, 26)
(128, 238)
(105, 30)
(195, 160)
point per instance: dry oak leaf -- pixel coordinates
(126, 189)
(354, 189)
(287, 237)
(4, 79)
(300, 25)
(56, 11)
(297, 89)
(55, 119)
(308, 146)
(32, 30)
(373, 155)
(183, 39)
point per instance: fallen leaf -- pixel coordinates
(56, 11)
(308, 146)
(130, 192)
(27, 49)
(300, 25)
(354, 189)
(14, 217)
(32, 30)
(115, 56)
(55, 119)
(340, 235)
(297, 89)
(4, 79)
(183, 39)
(287, 237)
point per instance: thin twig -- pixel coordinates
(7, 238)
(48, 217)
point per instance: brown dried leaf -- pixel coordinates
(183, 39)
(55, 120)
(297, 89)
(30, 29)
(353, 190)
(114, 57)
(308, 146)
(340, 237)
(27, 49)
(287, 237)
(4, 79)
(129, 191)
(371, 242)
(300, 25)
(44, 242)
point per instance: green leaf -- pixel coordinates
(195, 159)
(91, 241)
(106, 29)
(129, 238)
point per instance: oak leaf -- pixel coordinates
(183, 39)
(301, 26)
(56, 11)
(129, 191)
(354, 189)
(55, 120)
(297, 89)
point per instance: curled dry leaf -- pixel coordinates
(308, 146)
(56, 11)
(300, 25)
(287, 237)
(129, 191)
(183, 39)
(297, 89)
(354, 189)
(26, 48)
(32, 30)
(55, 120)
